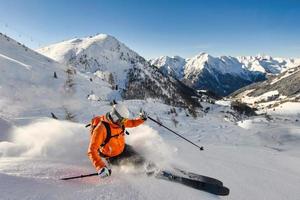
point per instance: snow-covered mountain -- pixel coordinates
(223, 75)
(273, 92)
(267, 64)
(95, 53)
(133, 76)
(172, 66)
(34, 85)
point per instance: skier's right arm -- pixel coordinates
(97, 138)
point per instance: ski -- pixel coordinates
(200, 185)
(199, 177)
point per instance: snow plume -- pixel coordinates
(48, 138)
(62, 140)
(149, 144)
(5, 128)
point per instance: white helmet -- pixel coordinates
(119, 112)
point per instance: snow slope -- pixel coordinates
(28, 87)
(231, 155)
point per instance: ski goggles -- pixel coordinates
(118, 120)
(121, 120)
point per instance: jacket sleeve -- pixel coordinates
(129, 123)
(97, 138)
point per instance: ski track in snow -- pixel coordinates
(28, 67)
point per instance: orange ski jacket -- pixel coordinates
(115, 145)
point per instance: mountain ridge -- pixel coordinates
(225, 74)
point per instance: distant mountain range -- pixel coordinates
(171, 79)
(222, 75)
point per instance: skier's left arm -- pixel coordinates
(130, 123)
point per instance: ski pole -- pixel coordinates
(159, 123)
(81, 176)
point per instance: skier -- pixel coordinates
(107, 142)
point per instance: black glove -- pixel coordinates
(143, 115)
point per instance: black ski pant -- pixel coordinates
(128, 156)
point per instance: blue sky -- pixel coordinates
(161, 27)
